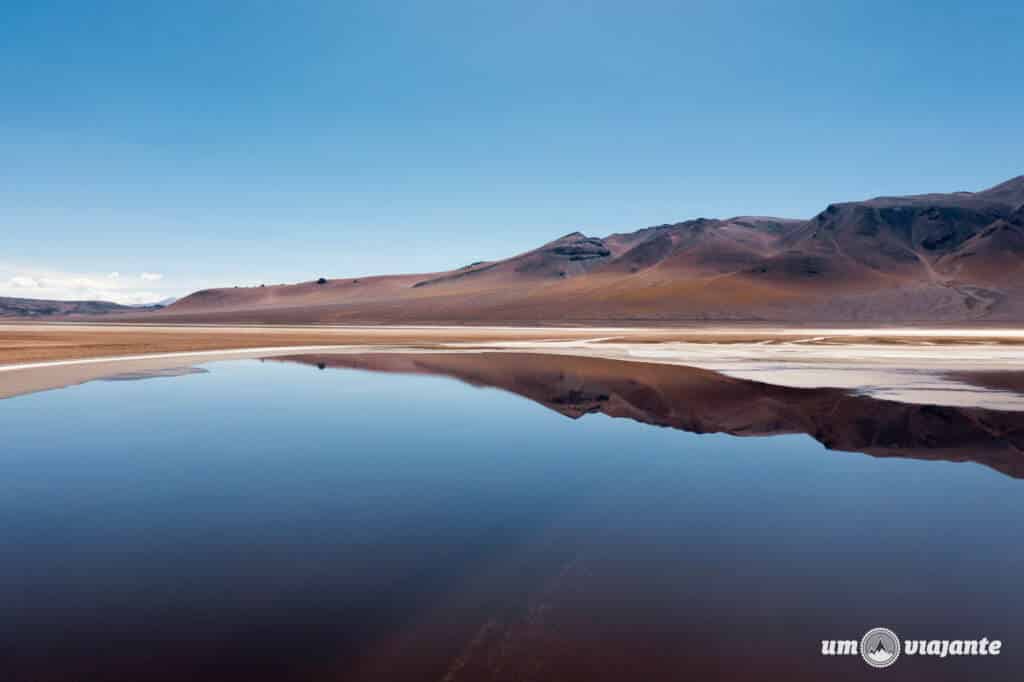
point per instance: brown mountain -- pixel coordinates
(931, 257)
(34, 307)
(702, 401)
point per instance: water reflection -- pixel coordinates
(271, 521)
(161, 373)
(701, 401)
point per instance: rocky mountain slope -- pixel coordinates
(931, 257)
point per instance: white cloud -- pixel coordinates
(32, 282)
(22, 282)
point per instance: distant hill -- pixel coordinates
(35, 308)
(931, 257)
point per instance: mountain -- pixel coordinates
(33, 307)
(162, 303)
(702, 401)
(930, 257)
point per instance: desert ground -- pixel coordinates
(949, 366)
(22, 343)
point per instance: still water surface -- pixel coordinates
(278, 521)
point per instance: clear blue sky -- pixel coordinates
(240, 142)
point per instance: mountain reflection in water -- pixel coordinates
(701, 401)
(270, 522)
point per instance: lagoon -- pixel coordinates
(411, 518)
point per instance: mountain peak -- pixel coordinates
(1012, 191)
(926, 257)
(572, 235)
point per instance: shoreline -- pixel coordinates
(24, 343)
(902, 365)
(215, 354)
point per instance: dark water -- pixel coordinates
(276, 521)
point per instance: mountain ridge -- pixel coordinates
(929, 257)
(35, 307)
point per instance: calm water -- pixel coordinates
(277, 521)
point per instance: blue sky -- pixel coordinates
(217, 143)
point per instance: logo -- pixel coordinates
(880, 647)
